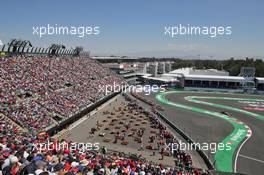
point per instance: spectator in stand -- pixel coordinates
(36, 88)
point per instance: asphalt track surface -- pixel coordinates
(205, 128)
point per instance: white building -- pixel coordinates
(207, 78)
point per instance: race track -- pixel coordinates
(198, 114)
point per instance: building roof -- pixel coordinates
(184, 71)
(163, 79)
(214, 78)
(205, 75)
(113, 57)
(260, 79)
(193, 71)
(172, 75)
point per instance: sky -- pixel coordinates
(136, 28)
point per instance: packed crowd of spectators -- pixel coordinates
(34, 88)
(19, 155)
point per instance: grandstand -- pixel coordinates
(49, 89)
(43, 91)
